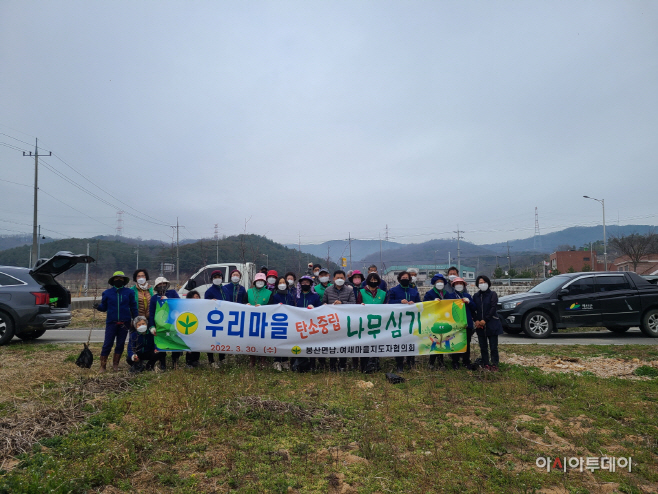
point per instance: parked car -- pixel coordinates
(32, 301)
(201, 280)
(615, 300)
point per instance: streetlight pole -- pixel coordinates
(267, 260)
(605, 241)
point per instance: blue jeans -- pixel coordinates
(118, 331)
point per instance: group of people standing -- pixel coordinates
(131, 312)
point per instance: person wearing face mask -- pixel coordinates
(162, 293)
(143, 291)
(293, 287)
(316, 273)
(284, 296)
(439, 291)
(323, 282)
(216, 290)
(309, 299)
(192, 358)
(370, 295)
(234, 291)
(338, 294)
(272, 277)
(382, 283)
(452, 273)
(404, 294)
(141, 346)
(413, 272)
(258, 294)
(459, 286)
(356, 279)
(487, 323)
(121, 307)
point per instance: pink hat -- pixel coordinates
(260, 277)
(356, 272)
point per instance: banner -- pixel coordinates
(216, 326)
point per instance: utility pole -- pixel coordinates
(349, 235)
(381, 263)
(459, 252)
(299, 256)
(87, 273)
(34, 256)
(217, 240)
(605, 240)
(137, 252)
(177, 257)
(509, 266)
(39, 244)
(448, 258)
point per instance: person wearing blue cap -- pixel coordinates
(439, 291)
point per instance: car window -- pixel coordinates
(6, 280)
(611, 283)
(582, 286)
(204, 277)
(549, 285)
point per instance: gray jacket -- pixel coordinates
(345, 295)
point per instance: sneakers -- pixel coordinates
(493, 368)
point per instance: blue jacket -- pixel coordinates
(485, 309)
(310, 298)
(154, 300)
(120, 305)
(140, 343)
(288, 298)
(433, 294)
(398, 293)
(215, 292)
(234, 293)
(470, 307)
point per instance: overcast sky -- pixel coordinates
(323, 118)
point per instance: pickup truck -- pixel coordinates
(616, 300)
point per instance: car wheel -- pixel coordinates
(538, 324)
(649, 324)
(513, 330)
(6, 329)
(618, 329)
(32, 335)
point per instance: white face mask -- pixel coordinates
(141, 281)
(271, 280)
(483, 287)
(315, 273)
(282, 286)
(413, 279)
(324, 279)
(235, 279)
(452, 277)
(339, 282)
(291, 282)
(459, 288)
(260, 284)
(217, 281)
(141, 328)
(439, 285)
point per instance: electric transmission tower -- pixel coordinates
(119, 232)
(536, 244)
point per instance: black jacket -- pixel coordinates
(485, 308)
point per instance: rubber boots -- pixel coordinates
(103, 364)
(115, 361)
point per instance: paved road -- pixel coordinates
(632, 337)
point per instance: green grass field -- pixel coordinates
(244, 430)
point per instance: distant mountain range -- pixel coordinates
(335, 249)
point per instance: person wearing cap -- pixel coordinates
(316, 273)
(459, 287)
(370, 295)
(382, 284)
(322, 282)
(263, 269)
(141, 346)
(143, 291)
(337, 294)
(439, 291)
(272, 277)
(258, 294)
(162, 293)
(120, 305)
(234, 291)
(216, 290)
(309, 299)
(356, 279)
(403, 293)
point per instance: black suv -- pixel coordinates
(31, 300)
(615, 300)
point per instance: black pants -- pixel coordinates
(341, 361)
(488, 344)
(211, 357)
(146, 359)
(411, 361)
(466, 356)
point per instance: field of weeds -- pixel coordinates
(248, 430)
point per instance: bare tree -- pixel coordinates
(635, 246)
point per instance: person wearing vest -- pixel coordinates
(234, 291)
(121, 307)
(487, 323)
(371, 294)
(259, 295)
(323, 282)
(143, 291)
(439, 291)
(215, 292)
(356, 278)
(162, 293)
(403, 293)
(338, 294)
(382, 285)
(309, 299)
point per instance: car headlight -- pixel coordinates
(511, 305)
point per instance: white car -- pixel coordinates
(201, 280)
